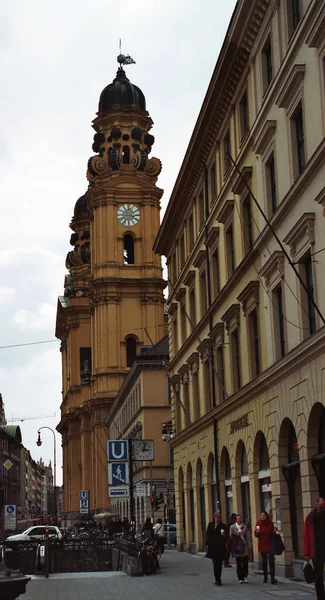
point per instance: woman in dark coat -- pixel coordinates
(264, 531)
(216, 542)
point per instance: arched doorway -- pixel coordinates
(289, 456)
(191, 504)
(213, 484)
(264, 475)
(316, 444)
(226, 484)
(202, 502)
(244, 485)
(182, 535)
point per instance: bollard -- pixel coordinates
(12, 583)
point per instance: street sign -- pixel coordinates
(84, 507)
(117, 450)
(118, 473)
(83, 494)
(8, 464)
(118, 492)
(10, 516)
(141, 489)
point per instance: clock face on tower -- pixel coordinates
(128, 215)
(142, 449)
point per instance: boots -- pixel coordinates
(272, 573)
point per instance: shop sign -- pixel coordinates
(229, 494)
(240, 423)
(266, 487)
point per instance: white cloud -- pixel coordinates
(6, 294)
(41, 320)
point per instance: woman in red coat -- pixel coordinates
(264, 531)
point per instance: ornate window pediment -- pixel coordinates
(249, 297)
(232, 317)
(301, 236)
(213, 237)
(217, 335)
(193, 362)
(265, 138)
(239, 186)
(189, 279)
(291, 89)
(226, 213)
(205, 350)
(200, 261)
(273, 269)
(184, 373)
(181, 294)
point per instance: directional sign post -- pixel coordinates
(10, 516)
(118, 492)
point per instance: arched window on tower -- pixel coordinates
(126, 155)
(131, 351)
(128, 252)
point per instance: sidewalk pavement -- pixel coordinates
(183, 576)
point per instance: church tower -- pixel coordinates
(113, 300)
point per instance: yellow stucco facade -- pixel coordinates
(247, 339)
(113, 301)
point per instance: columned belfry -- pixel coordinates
(113, 299)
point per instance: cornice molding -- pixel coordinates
(302, 234)
(239, 186)
(232, 317)
(225, 214)
(291, 88)
(273, 269)
(250, 297)
(264, 137)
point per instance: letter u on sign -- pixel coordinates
(117, 450)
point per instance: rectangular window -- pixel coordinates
(201, 210)
(254, 343)
(309, 313)
(175, 336)
(247, 223)
(212, 182)
(267, 64)
(192, 307)
(230, 251)
(294, 15)
(243, 108)
(271, 184)
(85, 364)
(235, 359)
(183, 323)
(226, 151)
(203, 294)
(278, 320)
(181, 252)
(220, 368)
(300, 138)
(190, 233)
(216, 272)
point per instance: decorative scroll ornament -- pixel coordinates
(73, 260)
(97, 166)
(153, 167)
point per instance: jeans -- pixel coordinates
(242, 567)
(319, 577)
(217, 569)
(270, 556)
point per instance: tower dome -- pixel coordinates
(121, 92)
(81, 206)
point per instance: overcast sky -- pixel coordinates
(56, 57)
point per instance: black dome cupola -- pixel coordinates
(121, 93)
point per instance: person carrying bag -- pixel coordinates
(239, 547)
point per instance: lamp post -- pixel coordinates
(39, 443)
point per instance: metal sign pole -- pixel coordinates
(132, 514)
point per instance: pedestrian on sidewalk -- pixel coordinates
(232, 520)
(239, 545)
(314, 544)
(216, 537)
(159, 532)
(264, 531)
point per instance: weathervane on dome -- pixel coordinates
(124, 59)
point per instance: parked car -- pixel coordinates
(36, 533)
(172, 533)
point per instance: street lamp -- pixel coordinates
(39, 443)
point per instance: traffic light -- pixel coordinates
(160, 500)
(153, 502)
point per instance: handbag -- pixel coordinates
(309, 572)
(237, 545)
(277, 544)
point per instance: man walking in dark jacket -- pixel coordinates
(314, 544)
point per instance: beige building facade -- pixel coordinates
(247, 337)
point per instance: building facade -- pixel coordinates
(243, 236)
(113, 300)
(140, 410)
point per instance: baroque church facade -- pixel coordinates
(113, 301)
